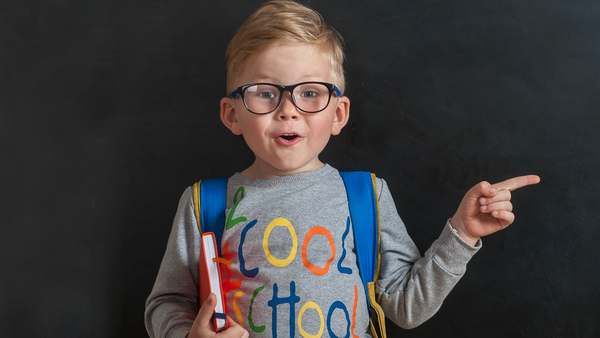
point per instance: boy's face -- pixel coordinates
(286, 141)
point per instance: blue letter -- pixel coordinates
(340, 267)
(252, 273)
(338, 305)
(292, 300)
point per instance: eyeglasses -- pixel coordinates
(264, 98)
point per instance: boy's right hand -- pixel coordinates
(486, 208)
(202, 327)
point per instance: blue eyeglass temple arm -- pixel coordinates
(337, 91)
(235, 93)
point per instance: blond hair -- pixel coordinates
(279, 22)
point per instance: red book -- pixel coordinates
(210, 279)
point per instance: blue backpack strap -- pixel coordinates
(363, 213)
(361, 189)
(210, 202)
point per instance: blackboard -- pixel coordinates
(109, 110)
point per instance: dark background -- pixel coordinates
(109, 110)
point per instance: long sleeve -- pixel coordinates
(412, 288)
(173, 303)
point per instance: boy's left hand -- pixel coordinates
(486, 208)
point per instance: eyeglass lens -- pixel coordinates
(264, 98)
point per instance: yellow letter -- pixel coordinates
(275, 261)
(312, 305)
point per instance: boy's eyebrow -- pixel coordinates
(272, 79)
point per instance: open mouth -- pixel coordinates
(289, 137)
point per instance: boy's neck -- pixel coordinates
(259, 170)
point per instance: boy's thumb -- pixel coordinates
(481, 189)
(206, 310)
(486, 189)
(202, 321)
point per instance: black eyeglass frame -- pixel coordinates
(240, 90)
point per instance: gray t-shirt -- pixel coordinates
(293, 268)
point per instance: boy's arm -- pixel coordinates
(412, 288)
(486, 208)
(172, 305)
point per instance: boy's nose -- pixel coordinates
(287, 109)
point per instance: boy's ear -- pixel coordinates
(229, 117)
(342, 114)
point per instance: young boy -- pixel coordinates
(288, 236)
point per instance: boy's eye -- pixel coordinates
(266, 95)
(262, 92)
(311, 91)
(309, 94)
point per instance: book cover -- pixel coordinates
(210, 279)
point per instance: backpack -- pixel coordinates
(210, 201)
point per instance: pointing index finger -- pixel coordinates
(517, 182)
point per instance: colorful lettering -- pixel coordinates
(226, 283)
(317, 230)
(311, 305)
(250, 322)
(354, 311)
(341, 268)
(236, 308)
(292, 300)
(232, 222)
(337, 305)
(275, 261)
(248, 273)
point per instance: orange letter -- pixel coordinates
(317, 230)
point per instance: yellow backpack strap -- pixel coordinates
(371, 285)
(197, 205)
(378, 311)
(378, 264)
